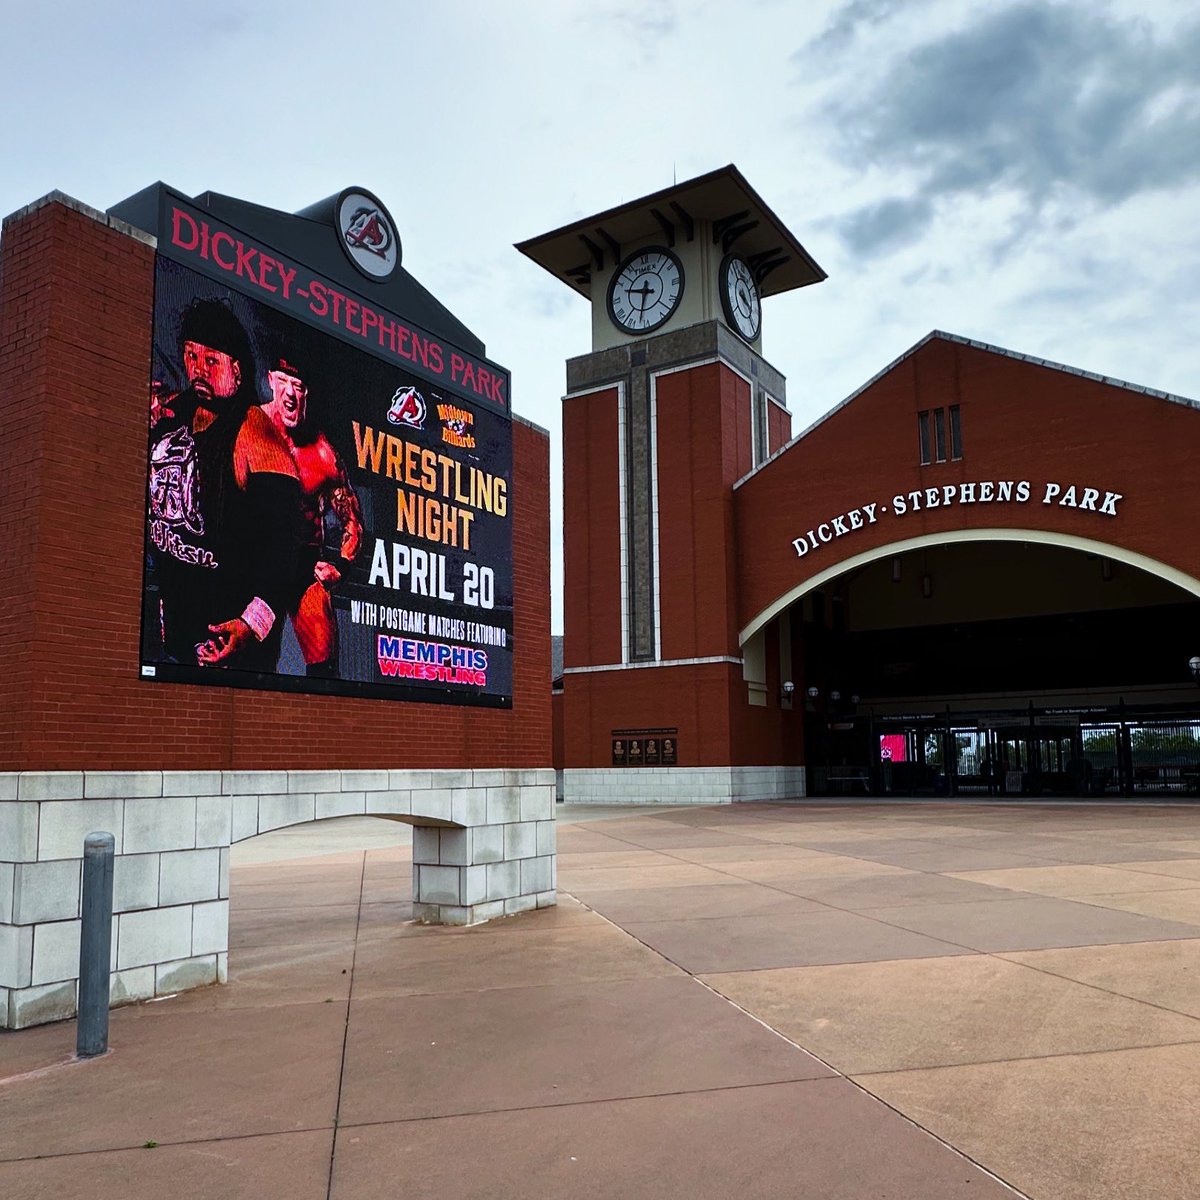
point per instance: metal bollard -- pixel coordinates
(95, 945)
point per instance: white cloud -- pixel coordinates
(1051, 215)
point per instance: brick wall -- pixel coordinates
(1020, 421)
(704, 444)
(779, 427)
(726, 555)
(591, 530)
(557, 727)
(76, 300)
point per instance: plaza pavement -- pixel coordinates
(913, 1001)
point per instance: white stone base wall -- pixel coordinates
(768, 783)
(484, 847)
(464, 876)
(681, 785)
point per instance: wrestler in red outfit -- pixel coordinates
(325, 487)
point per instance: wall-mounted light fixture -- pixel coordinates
(813, 692)
(1194, 667)
(927, 585)
(785, 692)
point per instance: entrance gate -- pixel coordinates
(1009, 754)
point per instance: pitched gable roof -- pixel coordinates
(938, 334)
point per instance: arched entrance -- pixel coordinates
(1001, 662)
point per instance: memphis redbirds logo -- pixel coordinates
(408, 408)
(368, 230)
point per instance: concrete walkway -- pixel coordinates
(842, 1002)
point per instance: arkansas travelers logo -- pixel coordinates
(408, 408)
(367, 233)
(369, 230)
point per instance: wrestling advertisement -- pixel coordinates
(327, 510)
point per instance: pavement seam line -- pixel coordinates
(995, 1062)
(667, 852)
(972, 950)
(891, 925)
(481, 1112)
(337, 1108)
(817, 1058)
(1000, 955)
(565, 1104)
(824, 904)
(855, 1084)
(204, 1141)
(845, 912)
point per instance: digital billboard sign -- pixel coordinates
(329, 486)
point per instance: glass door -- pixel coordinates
(972, 765)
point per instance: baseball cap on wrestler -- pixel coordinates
(287, 363)
(211, 323)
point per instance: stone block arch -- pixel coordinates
(483, 840)
(483, 847)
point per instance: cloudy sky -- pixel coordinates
(1025, 173)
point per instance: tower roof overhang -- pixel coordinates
(735, 215)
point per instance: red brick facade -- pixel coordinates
(726, 552)
(592, 524)
(779, 427)
(704, 444)
(1020, 421)
(76, 301)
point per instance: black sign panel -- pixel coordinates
(324, 513)
(237, 261)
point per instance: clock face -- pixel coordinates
(646, 290)
(739, 297)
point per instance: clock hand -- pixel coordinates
(642, 291)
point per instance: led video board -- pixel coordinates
(329, 486)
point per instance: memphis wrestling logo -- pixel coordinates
(433, 662)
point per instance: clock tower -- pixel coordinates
(671, 407)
